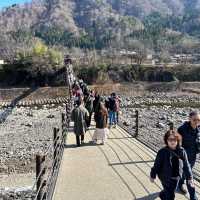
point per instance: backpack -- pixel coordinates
(112, 104)
(107, 103)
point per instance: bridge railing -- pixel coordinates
(48, 163)
(134, 131)
(133, 128)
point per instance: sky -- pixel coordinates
(6, 3)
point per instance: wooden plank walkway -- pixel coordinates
(119, 170)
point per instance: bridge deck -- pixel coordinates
(119, 170)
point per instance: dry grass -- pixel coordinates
(141, 88)
(40, 93)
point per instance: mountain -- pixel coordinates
(104, 23)
(37, 13)
(63, 12)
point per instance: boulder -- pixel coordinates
(160, 125)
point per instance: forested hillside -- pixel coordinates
(51, 28)
(149, 24)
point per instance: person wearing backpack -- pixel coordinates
(112, 108)
(171, 162)
(117, 105)
(88, 100)
(190, 132)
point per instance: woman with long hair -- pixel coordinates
(101, 119)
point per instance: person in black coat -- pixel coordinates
(96, 102)
(190, 132)
(171, 161)
(88, 100)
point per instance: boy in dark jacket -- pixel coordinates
(170, 163)
(112, 107)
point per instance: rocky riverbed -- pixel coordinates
(24, 132)
(156, 113)
(173, 99)
(19, 193)
(154, 121)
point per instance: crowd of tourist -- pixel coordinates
(174, 162)
(87, 103)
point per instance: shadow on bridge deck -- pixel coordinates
(119, 170)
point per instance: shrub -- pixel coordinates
(39, 49)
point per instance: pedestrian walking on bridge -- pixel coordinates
(190, 132)
(88, 100)
(170, 164)
(79, 116)
(101, 119)
(113, 105)
(96, 102)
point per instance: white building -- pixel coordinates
(1, 62)
(149, 56)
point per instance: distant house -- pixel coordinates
(1, 62)
(149, 56)
(124, 52)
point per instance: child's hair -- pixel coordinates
(175, 134)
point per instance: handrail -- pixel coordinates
(45, 181)
(149, 144)
(45, 178)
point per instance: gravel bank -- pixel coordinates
(155, 114)
(22, 193)
(25, 132)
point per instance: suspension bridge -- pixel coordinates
(117, 170)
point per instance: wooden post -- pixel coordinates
(55, 135)
(40, 175)
(67, 79)
(67, 108)
(38, 170)
(63, 129)
(171, 125)
(63, 119)
(68, 113)
(136, 123)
